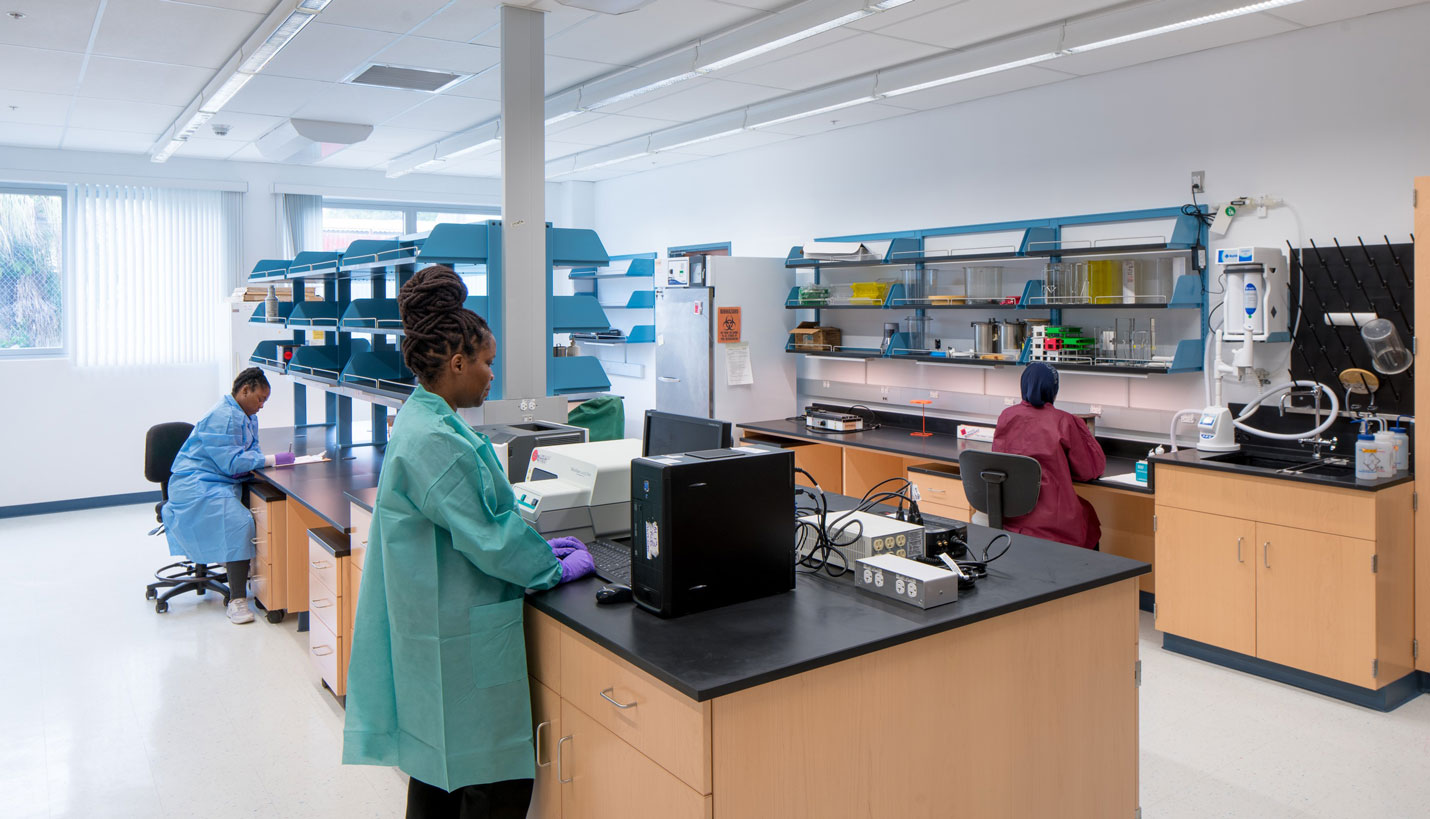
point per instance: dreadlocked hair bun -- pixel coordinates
(435, 323)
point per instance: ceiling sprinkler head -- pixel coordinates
(17, 15)
(220, 129)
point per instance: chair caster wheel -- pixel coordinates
(199, 592)
(275, 616)
(150, 594)
(225, 601)
(161, 606)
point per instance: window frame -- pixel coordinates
(409, 210)
(66, 283)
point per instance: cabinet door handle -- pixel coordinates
(539, 763)
(321, 564)
(1238, 550)
(561, 761)
(322, 603)
(667, 379)
(322, 651)
(1266, 553)
(606, 695)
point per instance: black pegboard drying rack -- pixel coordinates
(1352, 277)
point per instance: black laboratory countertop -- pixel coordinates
(323, 486)
(940, 446)
(366, 498)
(1200, 460)
(822, 621)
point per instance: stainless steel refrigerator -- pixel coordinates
(692, 368)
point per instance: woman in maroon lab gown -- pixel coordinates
(1065, 448)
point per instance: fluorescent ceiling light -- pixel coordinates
(163, 154)
(1185, 24)
(273, 43)
(765, 48)
(563, 117)
(968, 75)
(225, 92)
(615, 161)
(636, 92)
(826, 109)
(699, 140)
(473, 148)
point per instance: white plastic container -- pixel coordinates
(1389, 446)
(1402, 448)
(1369, 458)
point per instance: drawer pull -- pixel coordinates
(560, 761)
(539, 763)
(932, 491)
(321, 565)
(322, 651)
(1238, 550)
(322, 603)
(1266, 553)
(606, 695)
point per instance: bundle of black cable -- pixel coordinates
(435, 321)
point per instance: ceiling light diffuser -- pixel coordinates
(815, 112)
(1185, 24)
(968, 75)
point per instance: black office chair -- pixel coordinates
(161, 446)
(1000, 485)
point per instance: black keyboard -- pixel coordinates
(613, 561)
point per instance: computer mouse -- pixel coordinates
(608, 595)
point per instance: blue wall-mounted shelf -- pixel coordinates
(317, 315)
(573, 247)
(378, 254)
(571, 314)
(272, 355)
(314, 263)
(380, 371)
(575, 374)
(260, 315)
(324, 363)
(458, 244)
(639, 300)
(371, 316)
(270, 270)
(898, 247)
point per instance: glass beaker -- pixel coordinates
(1387, 352)
(985, 284)
(915, 284)
(1104, 281)
(916, 332)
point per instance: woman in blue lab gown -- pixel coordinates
(205, 518)
(437, 679)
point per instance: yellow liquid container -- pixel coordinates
(1104, 282)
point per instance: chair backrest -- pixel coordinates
(1000, 484)
(161, 446)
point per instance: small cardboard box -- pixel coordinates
(810, 336)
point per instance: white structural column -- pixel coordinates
(523, 102)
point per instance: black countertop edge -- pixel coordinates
(335, 541)
(1191, 458)
(359, 497)
(295, 493)
(264, 490)
(859, 650)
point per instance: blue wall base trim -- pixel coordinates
(1424, 678)
(51, 507)
(1146, 600)
(1388, 698)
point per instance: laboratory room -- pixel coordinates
(713, 409)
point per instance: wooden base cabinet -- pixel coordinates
(1238, 574)
(603, 777)
(270, 518)
(546, 717)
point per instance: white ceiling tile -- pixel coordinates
(355, 158)
(489, 168)
(561, 73)
(556, 150)
(255, 6)
(20, 107)
(1317, 12)
(448, 113)
(461, 22)
(30, 136)
(626, 39)
(396, 17)
(709, 97)
(117, 142)
(39, 70)
(762, 5)
(556, 20)
(47, 26)
(118, 115)
(172, 32)
(974, 21)
(138, 81)
(326, 52)
(609, 128)
(856, 55)
(355, 103)
(1160, 47)
(440, 55)
(899, 14)
(209, 148)
(843, 118)
(735, 142)
(1004, 82)
(275, 96)
(242, 127)
(248, 153)
(394, 141)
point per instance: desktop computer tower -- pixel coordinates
(711, 528)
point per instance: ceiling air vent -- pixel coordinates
(408, 79)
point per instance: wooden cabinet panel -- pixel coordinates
(825, 462)
(661, 723)
(608, 779)
(1347, 512)
(322, 568)
(325, 650)
(1206, 589)
(940, 490)
(1395, 608)
(362, 524)
(546, 730)
(1126, 519)
(1315, 603)
(271, 522)
(863, 468)
(1421, 557)
(290, 565)
(350, 596)
(543, 649)
(939, 510)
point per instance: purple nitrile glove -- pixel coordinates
(283, 459)
(577, 565)
(563, 546)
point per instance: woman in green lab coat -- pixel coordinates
(437, 680)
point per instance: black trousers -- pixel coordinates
(496, 800)
(237, 579)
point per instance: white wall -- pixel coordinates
(80, 432)
(1332, 119)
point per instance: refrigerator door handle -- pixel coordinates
(667, 379)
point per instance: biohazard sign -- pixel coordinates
(727, 324)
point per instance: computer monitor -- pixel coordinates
(669, 434)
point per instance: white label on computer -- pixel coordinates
(652, 540)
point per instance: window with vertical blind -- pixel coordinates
(151, 269)
(31, 271)
(346, 220)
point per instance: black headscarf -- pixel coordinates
(1040, 384)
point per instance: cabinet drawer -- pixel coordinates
(939, 490)
(325, 650)
(362, 524)
(543, 649)
(938, 510)
(260, 583)
(322, 568)
(261, 518)
(324, 604)
(603, 777)
(1344, 512)
(350, 597)
(661, 723)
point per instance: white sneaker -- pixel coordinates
(238, 612)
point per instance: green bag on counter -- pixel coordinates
(603, 417)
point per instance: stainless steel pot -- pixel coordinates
(1011, 335)
(985, 337)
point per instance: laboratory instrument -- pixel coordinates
(579, 490)
(870, 534)
(710, 529)
(513, 443)
(831, 421)
(666, 433)
(907, 581)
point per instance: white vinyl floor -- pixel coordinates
(110, 710)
